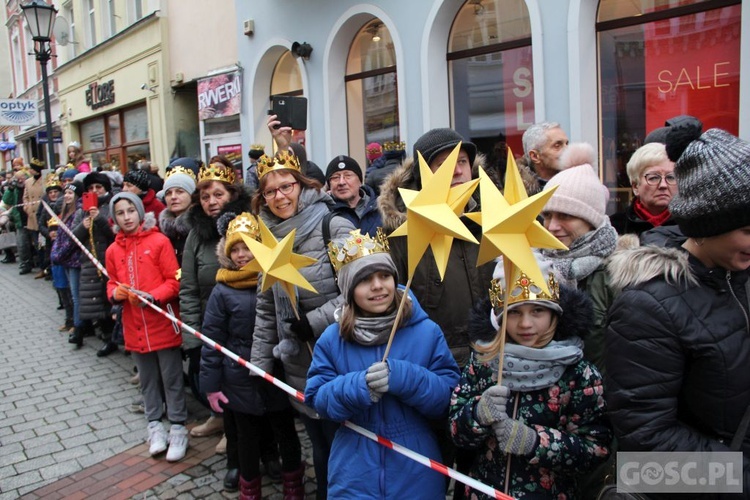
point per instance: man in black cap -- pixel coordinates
(354, 200)
(447, 302)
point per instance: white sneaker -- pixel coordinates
(178, 443)
(157, 438)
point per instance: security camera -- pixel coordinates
(144, 86)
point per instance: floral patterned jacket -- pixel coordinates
(569, 416)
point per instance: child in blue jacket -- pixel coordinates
(394, 399)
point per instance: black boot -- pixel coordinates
(76, 338)
(10, 257)
(106, 349)
(232, 480)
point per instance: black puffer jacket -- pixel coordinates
(678, 353)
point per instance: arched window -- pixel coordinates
(371, 89)
(287, 80)
(659, 59)
(491, 79)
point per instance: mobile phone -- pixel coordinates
(90, 200)
(291, 111)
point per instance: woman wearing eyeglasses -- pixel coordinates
(654, 184)
(286, 201)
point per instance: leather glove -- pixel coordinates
(491, 405)
(215, 399)
(514, 437)
(121, 293)
(136, 302)
(377, 380)
(301, 328)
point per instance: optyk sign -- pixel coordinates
(19, 112)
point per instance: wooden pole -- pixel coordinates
(510, 278)
(396, 321)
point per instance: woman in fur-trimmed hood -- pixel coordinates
(678, 343)
(547, 421)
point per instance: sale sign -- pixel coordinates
(692, 67)
(518, 95)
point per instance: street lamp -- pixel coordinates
(40, 18)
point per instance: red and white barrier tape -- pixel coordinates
(427, 462)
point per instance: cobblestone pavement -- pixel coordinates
(65, 427)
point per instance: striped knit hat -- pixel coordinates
(713, 180)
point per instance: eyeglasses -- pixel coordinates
(343, 176)
(655, 179)
(283, 189)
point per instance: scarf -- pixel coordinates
(655, 220)
(527, 369)
(374, 330)
(586, 253)
(238, 278)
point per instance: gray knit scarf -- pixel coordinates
(586, 253)
(374, 330)
(313, 205)
(527, 369)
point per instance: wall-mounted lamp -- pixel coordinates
(302, 50)
(374, 30)
(146, 86)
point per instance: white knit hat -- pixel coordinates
(580, 193)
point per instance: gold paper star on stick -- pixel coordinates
(509, 225)
(277, 262)
(432, 214)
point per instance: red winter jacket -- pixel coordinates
(152, 204)
(146, 261)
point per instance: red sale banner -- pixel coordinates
(692, 67)
(518, 96)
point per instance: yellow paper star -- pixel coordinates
(509, 225)
(277, 262)
(432, 214)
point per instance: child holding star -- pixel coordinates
(395, 399)
(547, 421)
(251, 407)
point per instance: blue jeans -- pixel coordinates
(74, 280)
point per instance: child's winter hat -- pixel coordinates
(523, 289)
(357, 257)
(69, 173)
(132, 198)
(713, 180)
(579, 192)
(374, 151)
(234, 226)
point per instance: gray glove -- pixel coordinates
(377, 380)
(491, 405)
(514, 437)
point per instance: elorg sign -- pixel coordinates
(100, 94)
(19, 112)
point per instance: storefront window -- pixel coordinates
(371, 89)
(104, 141)
(492, 97)
(287, 80)
(674, 58)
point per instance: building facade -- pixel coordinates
(609, 71)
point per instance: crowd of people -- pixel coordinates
(639, 339)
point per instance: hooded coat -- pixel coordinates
(569, 416)
(152, 204)
(448, 302)
(422, 376)
(145, 260)
(199, 264)
(229, 319)
(92, 294)
(678, 352)
(274, 339)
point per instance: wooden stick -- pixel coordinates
(510, 271)
(398, 318)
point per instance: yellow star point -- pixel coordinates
(433, 213)
(278, 263)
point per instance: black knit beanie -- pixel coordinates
(438, 140)
(343, 162)
(713, 180)
(97, 178)
(139, 178)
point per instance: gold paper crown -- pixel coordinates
(523, 290)
(52, 181)
(355, 246)
(216, 172)
(244, 223)
(394, 146)
(257, 147)
(282, 161)
(37, 162)
(53, 222)
(179, 169)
